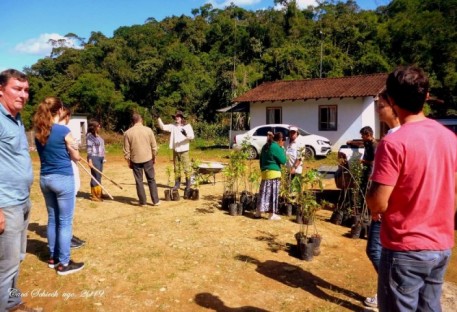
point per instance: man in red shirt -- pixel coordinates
(414, 187)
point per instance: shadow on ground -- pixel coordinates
(296, 277)
(271, 241)
(214, 303)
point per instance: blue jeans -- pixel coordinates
(13, 244)
(59, 195)
(374, 244)
(98, 163)
(411, 280)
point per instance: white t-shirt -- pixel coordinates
(293, 152)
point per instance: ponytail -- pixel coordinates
(43, 118)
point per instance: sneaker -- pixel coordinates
(82, 241)
(71, 268)
(371, 301)
(157, 204)
(275, 217)
(75, 244)
(52, 263)
(21, 307)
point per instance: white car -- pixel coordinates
(256, 138)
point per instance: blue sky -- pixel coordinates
(27, 25)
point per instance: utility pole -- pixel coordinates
(322, 47)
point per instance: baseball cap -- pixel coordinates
(293, 128)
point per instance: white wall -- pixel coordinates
(353, 114)
(370, 117)
(78, 127)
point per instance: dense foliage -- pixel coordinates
(199, 63)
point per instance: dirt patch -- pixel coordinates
(192, 256)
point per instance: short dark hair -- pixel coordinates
(11, 73)
(367, 130)
(408, 86)
(136, 118)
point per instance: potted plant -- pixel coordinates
(170, 194)
(359, 217)
(233, 172)
(196, 179)
(347, 178)
(304, 188)
(245, 174)
(248, 197)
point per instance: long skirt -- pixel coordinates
(268, 196)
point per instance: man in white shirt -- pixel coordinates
(294, 153)
(181, 133)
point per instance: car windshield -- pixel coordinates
(303, 132)
(285, 131)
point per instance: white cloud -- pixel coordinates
(302, 4)
(41, 46)
(240, 3)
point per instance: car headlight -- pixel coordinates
(322, 142)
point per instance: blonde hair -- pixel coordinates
(43, 118)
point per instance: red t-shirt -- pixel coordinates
(420, 161)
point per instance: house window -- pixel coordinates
(327, 117)
(274, 115)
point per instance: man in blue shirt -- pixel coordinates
(16, 177)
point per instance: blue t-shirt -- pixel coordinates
(54, 156)
(16, 174)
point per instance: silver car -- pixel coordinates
(256, 138)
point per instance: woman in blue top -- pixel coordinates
(54, 144)
(272, 157)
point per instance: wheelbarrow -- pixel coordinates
(210, 169)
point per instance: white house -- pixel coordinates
(78, 127)
(336, 108)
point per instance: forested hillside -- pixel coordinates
(198, 63)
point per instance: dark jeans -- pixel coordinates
(374, 246)
(98, 163)
(148, 168)
(411, 280)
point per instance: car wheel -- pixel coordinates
(252, 152)
(309, 152)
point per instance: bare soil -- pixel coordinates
(192, 256)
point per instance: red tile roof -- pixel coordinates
(354, 86)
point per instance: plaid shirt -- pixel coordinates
(95, 146)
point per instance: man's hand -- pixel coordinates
(154, 112)
(184, 132)
(2, 222)
(376, 217)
